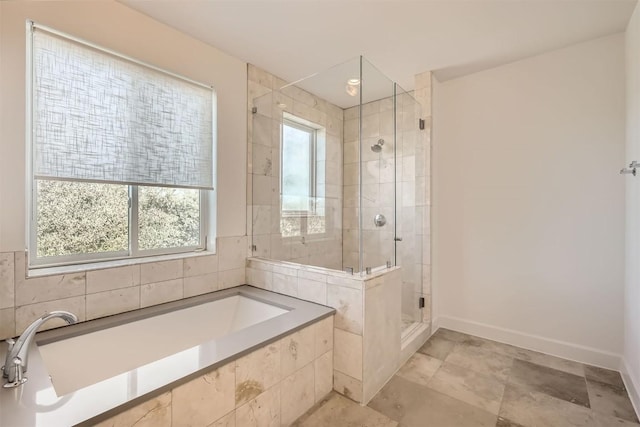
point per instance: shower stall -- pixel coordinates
(338, 168)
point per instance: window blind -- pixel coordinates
(101, 117)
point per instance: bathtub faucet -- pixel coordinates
(15, 365)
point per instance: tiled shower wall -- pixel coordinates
(90, 294)
(263, 182)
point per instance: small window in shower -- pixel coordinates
(302, 177)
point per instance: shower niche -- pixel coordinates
(338, 172)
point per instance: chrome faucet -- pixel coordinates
(15, 364)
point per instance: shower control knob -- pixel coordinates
(379, 220)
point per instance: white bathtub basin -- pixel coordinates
(77, 362)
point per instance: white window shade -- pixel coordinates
(101, 117)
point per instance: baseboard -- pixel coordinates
(632, 383)
(566, 350)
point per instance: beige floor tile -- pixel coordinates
(531, 408)
(413, 405)
(337, 410)
(489, 345)
(527, 355)
(555, 383)
(549, 361)
(419, 368)
(503, 422)
(450, 335)
(458, 380)
(437, 347)
(602, 375)
(602, 420)
(610, 400)
(482, 391)
(481, 360)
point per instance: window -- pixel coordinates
(87, 221)
(302, 177)
(122, 155)
(298, 168)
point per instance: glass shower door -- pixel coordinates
(409, 206)
(377, 168)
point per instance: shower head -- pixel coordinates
(377, 147)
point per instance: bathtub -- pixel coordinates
(83, 373)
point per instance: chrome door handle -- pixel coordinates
(631, 169)
(626, 171)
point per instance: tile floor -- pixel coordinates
(458, 380)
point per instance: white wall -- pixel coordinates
(631, 355)
(528, 239)
(115, 26)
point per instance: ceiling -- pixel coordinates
(296, 38)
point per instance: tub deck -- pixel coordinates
(101, 381)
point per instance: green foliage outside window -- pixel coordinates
(84, 218)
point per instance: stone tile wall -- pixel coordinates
(367, 320)
(90, 294)
(271, 386)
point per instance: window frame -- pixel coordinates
(133, 252)
(319, 139)
(290, 121)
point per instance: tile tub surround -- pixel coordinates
(367, 348)
(98, 292)
(276, 369)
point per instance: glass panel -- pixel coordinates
(410, 205)
(168, 218)
(377, 168)
(365, 205)
(297, 203)
(75, 218)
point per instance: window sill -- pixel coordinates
(101, 265)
